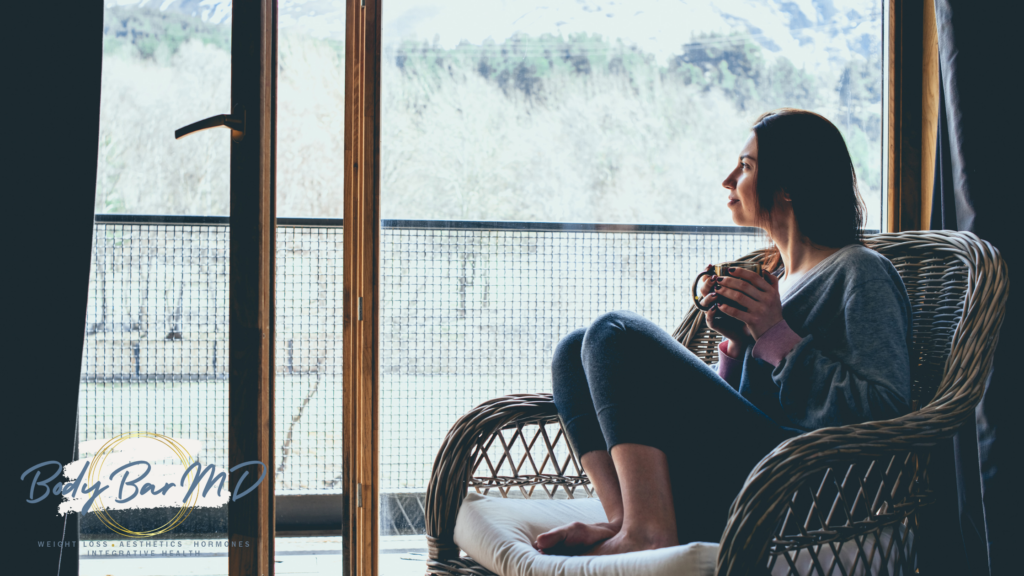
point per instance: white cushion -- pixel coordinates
(499, 533)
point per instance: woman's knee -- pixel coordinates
(568, 348)
(625, 349)
(615, 330)
(566, 365)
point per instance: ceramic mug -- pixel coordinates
(723, 271)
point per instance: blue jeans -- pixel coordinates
(625, 380)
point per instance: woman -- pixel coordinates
(822, 340)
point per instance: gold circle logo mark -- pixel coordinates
(95, 473)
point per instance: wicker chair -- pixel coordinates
(859, 486)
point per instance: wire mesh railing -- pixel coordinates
(469, 311)
(472, 313)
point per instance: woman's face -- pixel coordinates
(742, 185)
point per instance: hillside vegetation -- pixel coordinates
(578, 128)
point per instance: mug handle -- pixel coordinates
(696, 298)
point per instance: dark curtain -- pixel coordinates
(977, 189)
(52, 69)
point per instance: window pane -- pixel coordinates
(309, 287)
(310, 185)
(162, 70)
(611, 112)
(156, 357)
(311, 109)
(510, 130)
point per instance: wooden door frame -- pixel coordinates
(251, 285)
(912, 102)
(253, 236)
(361, 380)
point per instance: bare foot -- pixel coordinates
(575, 538)
(625, 542)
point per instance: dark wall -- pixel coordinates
(51, 91)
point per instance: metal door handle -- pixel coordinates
(235, 121)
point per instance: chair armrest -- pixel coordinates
(465, 448)
(852, 481)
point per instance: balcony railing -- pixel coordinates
(469, 311)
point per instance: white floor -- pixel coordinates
(399, 556)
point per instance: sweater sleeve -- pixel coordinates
(775, 343)
(729, 368)
(857, 370)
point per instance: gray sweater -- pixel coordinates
(841, 354)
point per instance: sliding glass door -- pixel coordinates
(156, 356)
(177, 378)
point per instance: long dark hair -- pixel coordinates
(804, 155)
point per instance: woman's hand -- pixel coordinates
(729, 328)
(759, 295)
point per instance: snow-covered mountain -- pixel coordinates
(212, 11)
(811, 33)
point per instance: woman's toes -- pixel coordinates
(572, 538)
(551, 538)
